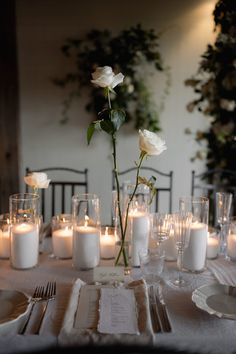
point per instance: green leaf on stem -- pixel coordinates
(95, 125)
(117, 118)
(107, 126)
(90, 132)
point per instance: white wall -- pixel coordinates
(43, 26)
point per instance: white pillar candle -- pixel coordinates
(86, 247)
(169, 247)
(107, 245)
(24, 246)
(231, 246)
(212, 246)
(194, 258)
(5, 244)
(140, 233)
(62, 242)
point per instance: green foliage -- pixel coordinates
(215, 85)
(125, 53)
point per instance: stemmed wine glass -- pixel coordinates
(181, 223)
(223, 206)
(160, 225)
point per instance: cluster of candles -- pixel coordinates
(86, 244)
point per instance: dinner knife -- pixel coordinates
(165, 321)
(153, 310)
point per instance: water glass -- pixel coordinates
(223, 207)
(151, 264)
(160, 227)
(24, 230)
(182, 224)
(86, 231)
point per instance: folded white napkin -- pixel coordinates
(69, 335)
(223, 270)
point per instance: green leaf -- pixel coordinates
(107, 126)
(117, 118)
(90, 132)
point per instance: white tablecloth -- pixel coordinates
(193, 329)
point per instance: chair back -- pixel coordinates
(209, 183)
(65, 182)
(164, 185)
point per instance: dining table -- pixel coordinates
(193, 329)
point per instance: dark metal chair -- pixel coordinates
(210, 182)
(65, 182)
(164, 185)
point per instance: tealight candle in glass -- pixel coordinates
(107, 242)
(5, 236)
(24, 230)
(86, 231)
(62, 233)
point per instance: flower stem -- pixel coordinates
(123, 230)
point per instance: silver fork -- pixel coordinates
(49, 294)
(37, 296)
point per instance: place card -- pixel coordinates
(118, 312)
(108, 274)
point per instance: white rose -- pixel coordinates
(105, 77)
(37, 180)
(151, 143)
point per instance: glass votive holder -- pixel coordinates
(24, 230)
(231, 242)
(5, 236)
(107, 242)
(213, 244)
(62, 235)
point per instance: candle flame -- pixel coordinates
(86, 220)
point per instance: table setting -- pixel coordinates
(159, 279)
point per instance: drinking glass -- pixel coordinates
(223, 206)
(160, 225)
(182, 223)
(151, 264)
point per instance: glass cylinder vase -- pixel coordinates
(86, 231)
(138, 220)
(194, 258)
(24, 230)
